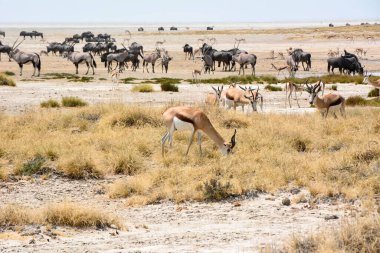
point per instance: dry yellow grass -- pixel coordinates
(62, 214)
(361, 235)
(329, 157)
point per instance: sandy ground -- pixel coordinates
(259, 221)
(245, 224)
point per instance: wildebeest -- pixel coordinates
(2, 33)
(245, 59)
(350, 64)
(137, 47)
(208, 63)
(26, 34)
(292, 66)
(152, 58)
(299, 55)
(160, 28)
(85, 35)
(173, 28)
(79, 57)
(37, 34)
(5, 49)
(140, 29)
(222, 56)
(188, 51)
(210, 28)
(22, 58)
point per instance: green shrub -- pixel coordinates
(51, 103)
(142, 88)
(5, 80)
(334, 87)
(360, 101)
(9, 73)
(373, 93)
(215, 190)
(33, 166)
(128, 80)
(73, 102)
(273, 88)
(169, 87)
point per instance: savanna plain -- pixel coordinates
(81, 166)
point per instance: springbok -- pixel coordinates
(279, 69)
(187, 118)
(370, 38)
(160, 42)
(375, 84)
(241, 97)
(292, 87)
(214, 98)
(326, 103)
(152, 58)
(281, 55)
(195, 73)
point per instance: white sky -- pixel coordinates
(180, 11)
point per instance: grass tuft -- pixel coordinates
(360, 101)
(273, 88)
(142, 88)
(33, 166)
(73, 102)
(6, 81)
(51, 103)
(79, 167)
(216, 190)
(374, 93)
(169, 87)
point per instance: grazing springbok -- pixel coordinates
(152, 58)
(214, 98)
(279, 69)
(375, 84)
(78, 57)
(22, 58)
(245, 59)
(187, 118)
(326, 103)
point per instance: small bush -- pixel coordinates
(360, 101)
(273, 88)
(142, 88)
(9, 73)
(6, 81)
(334, 87)
(51, 103)
(299, 145)
(70, 214)
(234, 123)
(73, 102)
(127, 165)
(32, 167)
(165, 80)
(128, 80)
(374, 93)
(137, 118)
(169, 87)
(79, 168)
(215, 190)
(102, 79)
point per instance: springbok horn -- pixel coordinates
(258, 88)
(243, 88)
(233, 140)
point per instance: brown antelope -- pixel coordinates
(214, 98)
(187, 118)
(195, 73)
(375, 84)
(281, 55)
(292, 87)
(349, 37)
(359, 51)
(241, 97)
(279, 69)
(326, 103)
(370, 38)
(44, 52)
(115, 75)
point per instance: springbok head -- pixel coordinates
(218, 91)
(366, 76)
(254, 96)
(228, 146)
(313, 91)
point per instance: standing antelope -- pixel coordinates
(78, 57)
(375, 84)
(187, 118)
(160, 42)
(292, 87)
(281, 55)
(22, 58)
(326, 103)
(195, 74)
(214, 98)
(241, 97)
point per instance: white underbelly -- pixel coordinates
(332, 108)
(182, 125)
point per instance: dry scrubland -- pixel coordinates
(332, 158)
